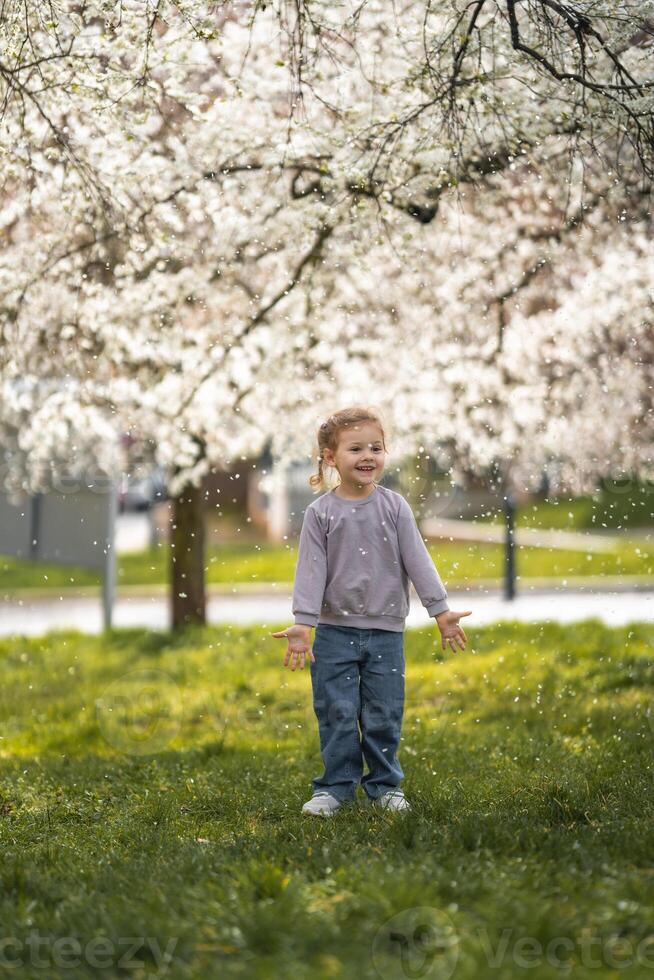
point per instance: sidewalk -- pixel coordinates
(29, 615)
(459, 530)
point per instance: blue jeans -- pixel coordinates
(358, 678)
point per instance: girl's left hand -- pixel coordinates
(451, 632)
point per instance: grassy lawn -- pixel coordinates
(150, 789)
(615, 505)
(459, 563)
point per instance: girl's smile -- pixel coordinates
(359, 457)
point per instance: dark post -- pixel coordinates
(35, 526)
(109, 573)
(509, 556)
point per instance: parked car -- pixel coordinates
(140, 492)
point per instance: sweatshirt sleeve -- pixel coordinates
(310, 571)
(418, 563)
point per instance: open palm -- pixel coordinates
(451, 631)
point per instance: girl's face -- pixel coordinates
(360, 455)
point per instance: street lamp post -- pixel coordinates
(509, 551)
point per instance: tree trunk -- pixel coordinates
(188, 599)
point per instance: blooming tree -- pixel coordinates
(458, 90)
(194, 253)
(153, 257)
(526, 330)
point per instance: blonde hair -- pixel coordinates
(329, 432)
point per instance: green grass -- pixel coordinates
(459, 563)
(614, 505)
(150, 786)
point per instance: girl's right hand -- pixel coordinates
(299, 644)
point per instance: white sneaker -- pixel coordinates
(394, 799)
(322, 804)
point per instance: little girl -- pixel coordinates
(358, 548)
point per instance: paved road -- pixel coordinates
(35, 616)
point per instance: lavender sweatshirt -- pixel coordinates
(355, 559)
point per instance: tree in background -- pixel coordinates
(153, 257)
(538, 119)
(528, 326)
(459, 90)
(194, 255)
